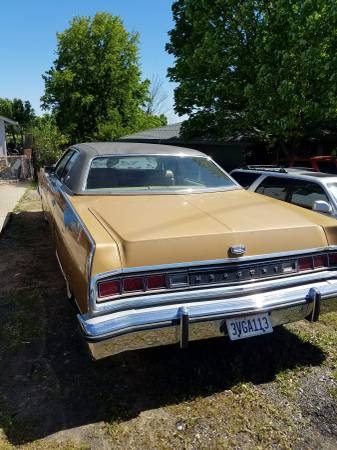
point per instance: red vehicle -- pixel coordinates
(326, 164)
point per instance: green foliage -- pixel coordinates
(268, 69)
(114, 129)
(48, 141)
(21, 112)
(94, 87)
(17, 110)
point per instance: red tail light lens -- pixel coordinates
(320, 261)
(133, 284)
(156, 281)
(305, 264)
(332, 259)
(109, 288)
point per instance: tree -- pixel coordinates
(157, 97)
(142, 121)
(268, 69)
(18, 110)
(95, 82)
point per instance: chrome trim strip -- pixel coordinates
(210, 293)
(121, 192)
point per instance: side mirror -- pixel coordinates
(322, 207)
(49, 169)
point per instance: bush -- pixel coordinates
(48, 141)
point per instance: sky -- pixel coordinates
(28, 41)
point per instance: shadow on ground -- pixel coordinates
(49, 384)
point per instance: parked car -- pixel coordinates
(311, 190)
(158, 245)
(325, 164)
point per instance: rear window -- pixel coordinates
(274, 187)
(244, 178)
(305, 193)
(139, 172)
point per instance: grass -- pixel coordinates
(242, 414)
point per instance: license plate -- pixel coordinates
(248, 326)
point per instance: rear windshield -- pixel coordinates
(155, 172)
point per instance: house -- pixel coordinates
(3, 122)
(229, 152)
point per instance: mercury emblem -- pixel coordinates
(237, 250)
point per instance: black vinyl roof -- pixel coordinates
(87, 151)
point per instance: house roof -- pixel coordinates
(168, 132)
(8, 121)
(172, 134)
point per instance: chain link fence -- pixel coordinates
(14, 168)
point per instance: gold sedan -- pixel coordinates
(159, 245)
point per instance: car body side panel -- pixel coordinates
(73, 245)
(74, 250)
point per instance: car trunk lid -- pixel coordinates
(166, 229)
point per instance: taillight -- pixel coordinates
(315, 262)
(305, 264)
(332, 259)
(133, 284)
(320, 261)
(109, 288)
(156, 282)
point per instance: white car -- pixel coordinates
(311, 190)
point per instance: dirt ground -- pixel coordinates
(276, 392)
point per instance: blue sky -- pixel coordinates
(28, 40)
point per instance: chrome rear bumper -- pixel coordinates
(199, 314)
